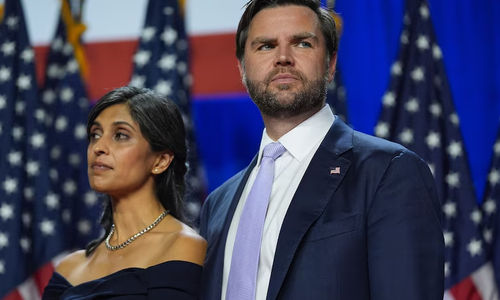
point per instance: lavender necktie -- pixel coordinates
(245, 259)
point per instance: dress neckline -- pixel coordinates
(129, 269)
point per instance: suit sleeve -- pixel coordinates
(405, 240)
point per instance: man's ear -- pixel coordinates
(162, 162)
(332, 64)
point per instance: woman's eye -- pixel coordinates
(121, 136)
(93, 136)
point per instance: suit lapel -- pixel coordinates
(314, 192)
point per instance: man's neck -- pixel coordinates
(276, 127)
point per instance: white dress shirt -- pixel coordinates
(301, 143)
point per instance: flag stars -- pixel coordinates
(424, 11)
(8, 48)
(433, 140)
(20, 107)
(12, 22)
(17, 133)
(29, 193)
(3, 102)
(406, 136)
(47, 227)
(450, 209)
(404, 37)
(389, 99)
(84, 227)
(453, 179)
(49, 96)
(167, 62)
(488, 235)
(6, 212)
(72, 66)
(382, 130)
(23, 82)
(447, 269)
(90, 198)
(148, 34)
(69, 187)
(475, 247)
(476, 216)
(26, 218)
(25, 244)
(54, 71)
(455, 149)
(412, 105)
(138, 81)
(52, 201)
(168, 11)
(435, 109)
(27, 55)
(422, 42)
(396, 69)
(61, 123)
(448, 239)
(169, 36)
(32, 168)
(436, 52)
(141, 58)
(15, 158)
(489, 206)
(494, 177)
(67, 94)
(37, 140)
(417, 74)
(163, 87)
(4, 74)
(454, 119)
(496, 148)
(10, 185)
(4, 240)
(57, 44)
(66, 216)
(74, 160)
(80, 131)
(2, 267)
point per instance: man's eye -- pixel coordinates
(304, 44)
(265, 47)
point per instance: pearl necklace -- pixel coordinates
(132, 238)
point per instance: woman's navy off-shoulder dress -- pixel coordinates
(169, 280)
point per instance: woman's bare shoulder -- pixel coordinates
(188, 246)
(71, 262)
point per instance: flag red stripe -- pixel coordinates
(42, 276)
(465, 290)
(14, 295)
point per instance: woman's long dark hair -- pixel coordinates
(161, 124)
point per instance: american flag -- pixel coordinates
(46, 207)
(418, 112)
(490, 205)
(161, 64)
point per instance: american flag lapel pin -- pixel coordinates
(335, 170)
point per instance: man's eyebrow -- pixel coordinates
(304, 35)
(262, 40)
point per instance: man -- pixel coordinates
(349, 216)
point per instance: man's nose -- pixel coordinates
(284, 57)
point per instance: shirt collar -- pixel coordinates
(301, 140)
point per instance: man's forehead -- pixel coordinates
(291, 19)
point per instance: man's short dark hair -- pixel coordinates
(327, 23)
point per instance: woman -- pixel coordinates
(137, 157)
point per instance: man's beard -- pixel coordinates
(310, 97)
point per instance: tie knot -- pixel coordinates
(273, 150)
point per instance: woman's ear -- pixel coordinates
(162, 162)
